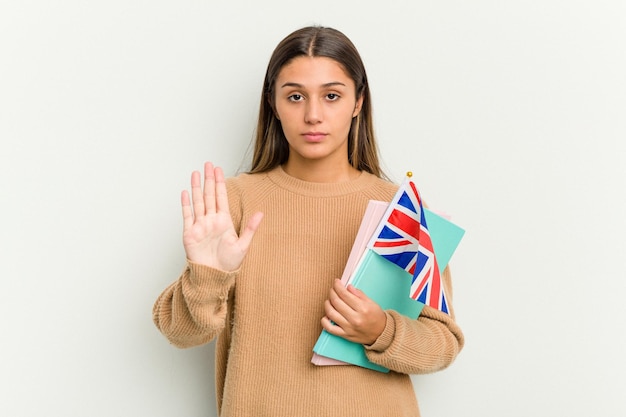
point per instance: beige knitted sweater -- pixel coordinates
(266, 316)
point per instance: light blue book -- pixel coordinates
(389, 286)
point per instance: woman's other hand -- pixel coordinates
(353, 315)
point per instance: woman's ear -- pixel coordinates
(358, 106)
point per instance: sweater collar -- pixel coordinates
(319, 189)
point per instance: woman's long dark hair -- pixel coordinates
(271, 148)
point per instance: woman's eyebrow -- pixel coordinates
(326, 85)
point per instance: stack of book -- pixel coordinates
(383, 281)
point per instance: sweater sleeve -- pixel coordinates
(193, 309)
(425, 345)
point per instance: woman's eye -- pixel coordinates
(332, 96)
(295, 97)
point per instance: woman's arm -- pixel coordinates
(193, 309)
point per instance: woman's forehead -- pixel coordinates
(309, 71)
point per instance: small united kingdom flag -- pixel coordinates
(403, 238)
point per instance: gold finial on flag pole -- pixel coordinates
(409, 174)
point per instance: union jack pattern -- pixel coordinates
(396, 238)
(403, 238)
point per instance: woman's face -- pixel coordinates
(315, 102)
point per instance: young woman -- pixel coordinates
(265, 250)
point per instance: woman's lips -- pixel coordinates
(314, 136)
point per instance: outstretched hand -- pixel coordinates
(351, 314)
(209, 236)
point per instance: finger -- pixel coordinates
(350, 300)
(209, 187)
(331, 327)
(196, 195)
(357, 292)
(334, 316)
(221, 196)
(187, 212)
(337, 311)
(361, 302)
(338, 304)
(246, 235)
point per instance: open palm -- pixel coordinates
(209, 236)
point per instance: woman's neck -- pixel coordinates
(318, 171)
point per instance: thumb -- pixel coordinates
(245, 238)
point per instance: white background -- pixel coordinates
(511, 114)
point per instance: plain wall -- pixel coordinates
(511, 115)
